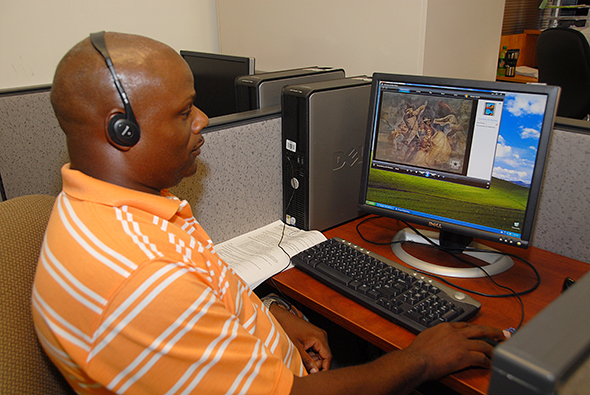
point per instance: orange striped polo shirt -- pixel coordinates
(130, 297)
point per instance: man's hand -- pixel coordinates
(447, 348)
(311, 341)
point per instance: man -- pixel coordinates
(129, 295)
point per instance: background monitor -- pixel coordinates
(463, 157)
(215, 76)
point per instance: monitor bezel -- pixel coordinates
(552, 94)
(249, 61)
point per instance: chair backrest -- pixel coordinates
(24, 366)
(563, 59)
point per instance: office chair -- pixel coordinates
(24, 366)
(563, 59)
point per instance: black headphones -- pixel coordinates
(123, 128)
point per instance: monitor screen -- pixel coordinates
(215, 76)
(463, 157)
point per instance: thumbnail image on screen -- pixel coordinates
(432, 133)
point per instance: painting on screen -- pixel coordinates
(426, 132)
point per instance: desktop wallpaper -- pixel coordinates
(500, 207)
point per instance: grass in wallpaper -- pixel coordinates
(502, 206)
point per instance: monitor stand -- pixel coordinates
(497, 263)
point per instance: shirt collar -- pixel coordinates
(84, 187)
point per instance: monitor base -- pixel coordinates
(497, 263)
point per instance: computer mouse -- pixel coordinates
(490, 341)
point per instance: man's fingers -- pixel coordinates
(309, 363)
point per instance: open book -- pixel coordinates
(256, 256)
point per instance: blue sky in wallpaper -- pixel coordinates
(520, 128)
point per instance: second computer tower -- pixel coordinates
(323, 133)
(263, 90)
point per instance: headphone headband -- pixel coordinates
(97, 40)
(123, 128)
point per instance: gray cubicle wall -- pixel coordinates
(33, 147)
(238, 185)
(563, 215)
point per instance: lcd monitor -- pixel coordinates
(463, 157)
(215, 76)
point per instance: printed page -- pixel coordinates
(256, 256)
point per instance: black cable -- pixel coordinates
(512, 294)
(284, 224)
(453, 252)
(283, 235)
(367, 240)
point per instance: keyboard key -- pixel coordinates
(330, 271)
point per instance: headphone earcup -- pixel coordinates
(123, 131)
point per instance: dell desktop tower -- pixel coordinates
(263, 90)
(323, 134)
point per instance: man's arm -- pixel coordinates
(311, 341)
(435, 353)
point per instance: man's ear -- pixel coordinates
(119, 132)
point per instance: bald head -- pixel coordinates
(83, 88)
(159, 86)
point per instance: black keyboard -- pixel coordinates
(402, 295)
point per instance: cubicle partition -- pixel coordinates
(33, 147)
(563, 216)
(238, 185)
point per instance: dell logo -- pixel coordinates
(353, 157)
(435, 224)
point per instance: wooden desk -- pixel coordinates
(499, 312)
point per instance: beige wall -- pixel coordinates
(289, 34)
(402, 36)
(457, 38)
(35, 34)
(463, 38)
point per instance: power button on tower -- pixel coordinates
(294, 183)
